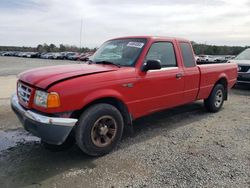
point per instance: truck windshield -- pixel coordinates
(122, 52)
(245, 55)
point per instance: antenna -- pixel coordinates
(81, 36)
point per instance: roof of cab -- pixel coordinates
(153, 38)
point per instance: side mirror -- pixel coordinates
(151, 65)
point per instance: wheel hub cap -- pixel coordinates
(218, 98)
(104, 131)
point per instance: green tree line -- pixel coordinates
(217, 50)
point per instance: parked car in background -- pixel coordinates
(85, 56)
(63, 55)
(47, 56)
(70, 55)
(9, 53)
(58, 55)
(15, 54)
(23, 54)
(229, 57)
(219, 59)
(74, 56)
(197, 58)
(243, 61)
(44, 55)
(30, 54)
(40, 54)
(19, 54)
(206, 58)
(1, 53)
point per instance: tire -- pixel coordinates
(99, 129)
(56, 148)
(216, 99)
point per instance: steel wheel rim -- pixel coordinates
(104, 131)
(218, 98)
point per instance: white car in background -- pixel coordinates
(206, 58)
(197, 59)
(220, 58)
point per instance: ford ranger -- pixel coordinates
(125, 79)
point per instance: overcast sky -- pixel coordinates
(33, 22)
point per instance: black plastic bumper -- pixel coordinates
(243, 78)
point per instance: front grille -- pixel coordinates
(24, 92)
(241, 78)
(243, 68)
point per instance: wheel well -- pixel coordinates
(108, 100)
(223, 81)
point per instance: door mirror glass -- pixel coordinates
(151, 65)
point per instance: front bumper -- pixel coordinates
(243, 78)
(52, 130)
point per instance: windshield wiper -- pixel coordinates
(108, 63)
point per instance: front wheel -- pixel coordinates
(216, 99)
(99, 129)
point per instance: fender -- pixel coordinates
(222, 76)
(110, 93)
(205, 91)
(103, 93)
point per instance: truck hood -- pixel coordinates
(241, 62)
(47, 76)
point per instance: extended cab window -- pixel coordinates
(163, 51)
(187, 54)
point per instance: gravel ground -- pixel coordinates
(181, 147)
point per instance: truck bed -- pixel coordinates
(211, 73)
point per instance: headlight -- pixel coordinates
(47, 100)
(239, 68)
(41, 98)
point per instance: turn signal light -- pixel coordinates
(53, 100)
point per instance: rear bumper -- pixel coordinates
(51, 130)
(243, 78)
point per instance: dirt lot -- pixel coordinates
(181, 147)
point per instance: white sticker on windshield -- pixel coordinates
(135, 44)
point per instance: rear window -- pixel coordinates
(187, 54)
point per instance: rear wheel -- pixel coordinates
(99, 129)
(216, 99)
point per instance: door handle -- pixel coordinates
(179, 75)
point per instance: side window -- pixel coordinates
(163, 51)
(187, 54)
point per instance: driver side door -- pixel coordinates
(163, 88)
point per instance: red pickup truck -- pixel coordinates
(126, 78)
